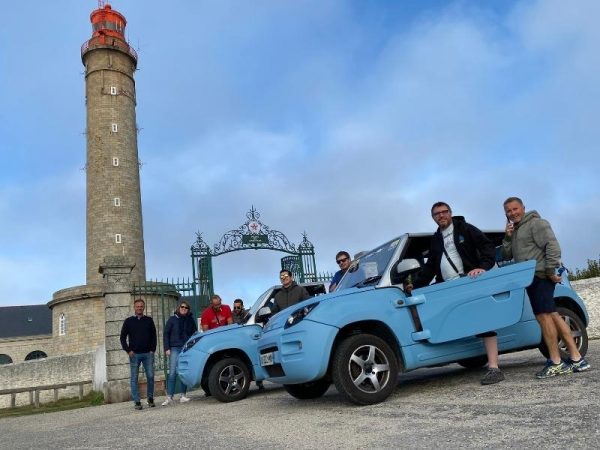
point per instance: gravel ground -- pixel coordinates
(432, 408)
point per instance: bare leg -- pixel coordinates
(491, 348)
(565, 333)
(550, 335)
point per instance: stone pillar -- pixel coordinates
(117, 274)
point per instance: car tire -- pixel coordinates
(578, 331)
(365, 369)
(229, 380)
(476, 362)
(306, 391)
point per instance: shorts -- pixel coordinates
(541, 296)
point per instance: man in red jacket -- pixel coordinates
(216, 315)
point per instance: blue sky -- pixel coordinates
(344, 119)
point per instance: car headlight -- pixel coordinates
(189, 344)
(299, 314)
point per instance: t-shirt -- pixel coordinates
(214, 320)
(337, 278)
(448, 272)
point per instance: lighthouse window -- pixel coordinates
(113, 90)
(117, 201)
(62, 325)
(115, 161)
(117, 238)
(114, 128)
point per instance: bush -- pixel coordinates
(96, 398)
(592, 271)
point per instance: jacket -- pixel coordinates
(474, 248)
(178, 330)
(533, 239)
(290, 296)
(138, 334)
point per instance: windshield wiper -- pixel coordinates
(368, 281)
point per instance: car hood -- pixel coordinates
(278, 320)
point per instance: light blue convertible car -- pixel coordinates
(366, 332)
(224, 361)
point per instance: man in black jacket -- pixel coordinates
(290, 294)
(138, 339)
(460, 249)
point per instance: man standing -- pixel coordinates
(290, 294)
(343, 260)
(216, 315)
(138, 339)
(460, 249)
(239, 312)
(529, 237)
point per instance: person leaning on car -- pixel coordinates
(529, 237)
(290, 294)
(460, 249)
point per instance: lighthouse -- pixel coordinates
(113, 202)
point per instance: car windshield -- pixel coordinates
(258, 303)
(369, 267)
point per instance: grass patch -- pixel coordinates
(92, 399)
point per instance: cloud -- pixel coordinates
(338, 119)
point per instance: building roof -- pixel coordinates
(29, 320)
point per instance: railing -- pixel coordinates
(34, 392)
(122, 45)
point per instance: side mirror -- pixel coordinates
(263, 314)
(407, 267)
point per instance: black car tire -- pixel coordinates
(229, 380)
(312, 389)
(476, 362)
(578, 331)
(355, 370)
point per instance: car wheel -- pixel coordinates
(229, 380)
(578, 332)
(365, 369)
(312, 389)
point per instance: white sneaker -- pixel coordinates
(168, 401)
(184, 399)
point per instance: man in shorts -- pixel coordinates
(529, 237)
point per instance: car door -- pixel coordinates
(465, 307)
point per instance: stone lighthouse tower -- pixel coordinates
(114, 207)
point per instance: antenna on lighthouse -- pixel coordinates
(101, 4)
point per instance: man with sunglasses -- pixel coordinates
(343, 260)
(459, 249)
(290, 293)
(239, 313)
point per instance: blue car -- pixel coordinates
(367, 331)
(224, 361)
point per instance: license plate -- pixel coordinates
(266, 359)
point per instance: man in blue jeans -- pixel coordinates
(138, 339)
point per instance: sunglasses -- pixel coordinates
(339, 261)
(184, 307)
(237, 307)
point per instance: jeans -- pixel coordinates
(147, 359)
(172, 379)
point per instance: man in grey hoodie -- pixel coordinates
(529, 237)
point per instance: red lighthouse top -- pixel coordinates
(106, 21)
(108, 30)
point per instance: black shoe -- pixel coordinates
(151, 402)
(492, 376)
(260, 385)
(138, 405)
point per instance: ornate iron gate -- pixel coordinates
(253, 235)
